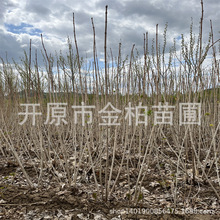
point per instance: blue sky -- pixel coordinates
(23, 28)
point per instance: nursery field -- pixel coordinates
(136, 139)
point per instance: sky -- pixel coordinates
(22, 20)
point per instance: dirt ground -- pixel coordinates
(55, 201)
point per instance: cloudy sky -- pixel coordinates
(22, 20)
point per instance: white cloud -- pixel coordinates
(127, 21)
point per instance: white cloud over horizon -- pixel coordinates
(23, 20)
